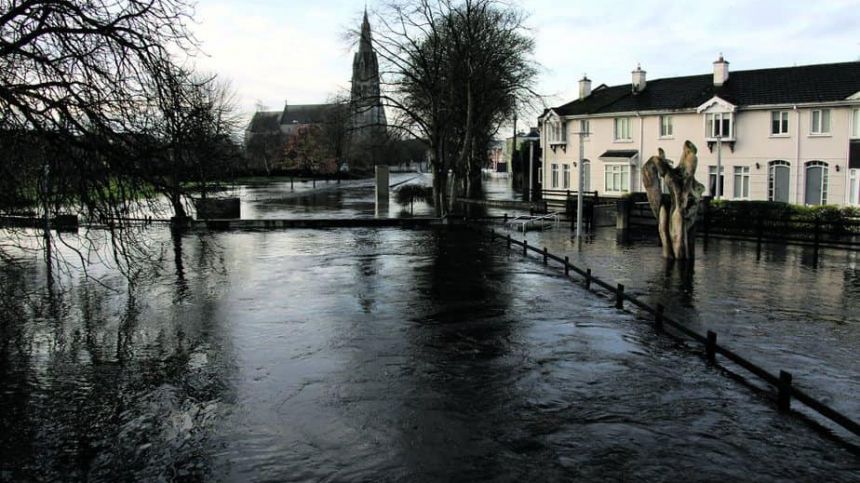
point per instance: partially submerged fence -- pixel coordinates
(786, 391)
(761, 227)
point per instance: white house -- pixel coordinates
(787, 134)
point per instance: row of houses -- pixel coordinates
(783, 134)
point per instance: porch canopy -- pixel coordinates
(619, 155)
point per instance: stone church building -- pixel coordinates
(269, 132)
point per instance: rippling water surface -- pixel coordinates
(363, 355)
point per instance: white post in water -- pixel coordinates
(581, 185)
(381, 190)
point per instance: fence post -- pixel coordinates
(783, 399)
(817, 233)
(545, 256)
(525, 248)
(658, 318)
(619, 297)
(588, 279)
(509, 241)
(506, 218)
(566, 266)
(706, 218)
(711, 347)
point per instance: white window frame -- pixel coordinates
(854, 187)
(781, 126)
(855, 123)
(619, 174)
(584, 128)
(586, 175)
(554, 179)
(622, 132)
(714, 119)
(565, 176)
(741, 182)
(712, 172)
(557, 132)
(821, 126)
(667, 127)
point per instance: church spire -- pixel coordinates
(366, 43)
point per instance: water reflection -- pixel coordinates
(99, 383)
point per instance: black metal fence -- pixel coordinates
(786, 390)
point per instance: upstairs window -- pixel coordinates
(584, 127)
(557, 134)
(820, 122)
(622, 129)
(666, 127)
(719, 125)
(779, 123)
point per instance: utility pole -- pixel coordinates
(513, 152)
(719, 183)
(531, 170)
(581, 183)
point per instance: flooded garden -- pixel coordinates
(415, 355)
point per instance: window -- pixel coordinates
(666, 128)
(712, 180)
(622, 129)
(584, 127)
(855, 123)
(778, 181)
(816, 183)
(554, 176)
(719, 125)
(617, 178)
(742, 182)
(854, 186)
(557, 132)
(586, 175)
(779, 123)
(820, 122)
(565, 177)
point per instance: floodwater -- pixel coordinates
(392, 355)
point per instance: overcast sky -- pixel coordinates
(295, 50)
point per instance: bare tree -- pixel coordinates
(453, 70)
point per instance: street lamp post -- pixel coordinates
(581, 185)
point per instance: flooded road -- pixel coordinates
(356, 355)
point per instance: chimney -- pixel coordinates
(721, 71)
(638, 83)
(584, 87)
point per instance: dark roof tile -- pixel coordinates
(784, 85)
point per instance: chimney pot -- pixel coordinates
(638, 83)
(721, 71)
(584, 87)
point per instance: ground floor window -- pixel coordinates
(778, 181)
(854, 186)
(816, 183)
(565, 177)
(712, 180)
(617, 178)
(554, 183)
(742, 182)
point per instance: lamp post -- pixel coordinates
(581, 185)
(719, 182)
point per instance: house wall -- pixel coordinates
(754, 144)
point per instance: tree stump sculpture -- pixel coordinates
(675, 211)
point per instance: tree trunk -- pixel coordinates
(676, 213)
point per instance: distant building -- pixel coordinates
(788, 134)
(271, 130)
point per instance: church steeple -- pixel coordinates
(366, 44)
